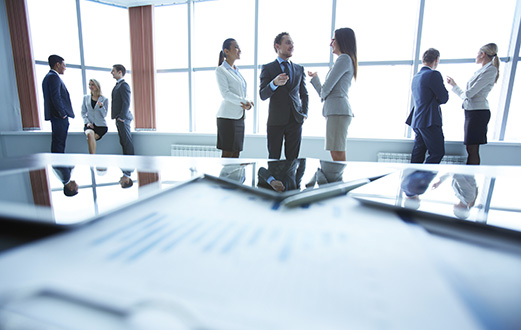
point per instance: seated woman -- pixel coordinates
(94, 110)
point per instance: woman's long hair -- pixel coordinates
(346, 41)
(226, 45)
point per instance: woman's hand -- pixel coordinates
(451, 81)
(247, 106)
(312, 74)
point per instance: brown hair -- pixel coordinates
(346, 41)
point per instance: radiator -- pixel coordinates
(184, 150)
(392, 157)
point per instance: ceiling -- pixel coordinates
(134, 3)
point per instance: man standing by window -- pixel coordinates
(57, 103)
(120, 109)
(428, 92)
(283, 82)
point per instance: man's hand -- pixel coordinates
(281, 79)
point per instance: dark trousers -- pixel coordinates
(125, 138)
(290, 133)
(429, 139)
(60, 127)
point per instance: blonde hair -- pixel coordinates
(96, 83)
(491, 51)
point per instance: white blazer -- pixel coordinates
(232, 92)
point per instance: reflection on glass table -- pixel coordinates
(477, 198)
(68, 194)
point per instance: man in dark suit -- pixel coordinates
(70, 187)
(283, 82)
(120, 109)
(428, 92)
(57, 103)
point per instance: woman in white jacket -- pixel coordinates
(94, 110)
(230, 116)
(477, 110)
(333, 92)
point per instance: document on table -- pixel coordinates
(206, 256)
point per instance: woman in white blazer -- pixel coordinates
(333, 92)
(94, 110)
(230, 116)
(477, 110)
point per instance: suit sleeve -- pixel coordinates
(56, 95)
(224, 87)
(483, 80)
(438, 88)
(125, 101)
(341, 66)
(84, 111)
(265, 90)
(304, 97)
(105, 108)
(315, 82)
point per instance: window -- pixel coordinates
(216, 21)
(385, 30)
(171, 37)
(54, 32)
(106, 37)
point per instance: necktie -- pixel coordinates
(286, 69)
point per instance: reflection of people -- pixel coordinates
(125, 181)
(477, 109)
(415, 184)
(328, 172)
(70, 187)
(337, 109)
(230, 116)
(120, 109)
(428, 92)
(283, 82)
(94, 110)
(57, 103)
(282, 175)
(466, 190)
(235, 172)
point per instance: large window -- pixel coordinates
(104, 38)
(391, 37)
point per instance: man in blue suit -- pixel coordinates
(428, 92)
(283, 82)
(57, 103)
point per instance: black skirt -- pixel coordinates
(230, 134)
(476, 122)
(100, 130)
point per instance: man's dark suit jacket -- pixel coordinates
(428, 92)
(121, 101)
(287, 100)
(57, 102)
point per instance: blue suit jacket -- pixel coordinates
(428, 92)
(57, 103)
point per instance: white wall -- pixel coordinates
(14, 144)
